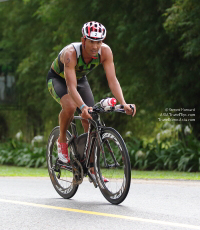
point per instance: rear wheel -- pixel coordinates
(61, 176)
(114, 164)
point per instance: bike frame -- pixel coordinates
(95, 123)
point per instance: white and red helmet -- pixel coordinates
(94, 31)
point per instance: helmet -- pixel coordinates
(94, 31)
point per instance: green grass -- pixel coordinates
(23, 171)
(43, 172)
(165, 175)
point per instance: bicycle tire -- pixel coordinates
(116, 190)
(63, 181)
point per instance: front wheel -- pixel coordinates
(61, 176)
(113, 163)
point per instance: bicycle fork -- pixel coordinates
(116, 164)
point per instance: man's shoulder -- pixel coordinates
(106, 52)
(68, 53)
(105, 47)
(69, 48)
(75, 44)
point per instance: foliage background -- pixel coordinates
(156, 47)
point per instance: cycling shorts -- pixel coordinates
(58, 88)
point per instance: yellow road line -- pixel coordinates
(187, 226)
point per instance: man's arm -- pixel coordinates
(71, 81)
(113, 83)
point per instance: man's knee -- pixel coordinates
(68, 111)
(68, 105)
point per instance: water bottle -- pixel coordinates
(108, 102)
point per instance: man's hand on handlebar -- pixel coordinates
(85, 114)
(130, 109)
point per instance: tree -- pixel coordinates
(157, 66)
(183, 26)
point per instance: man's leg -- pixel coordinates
(58, 89)
(85, 92)
(66, 115)
(85, 125)
(88, 98)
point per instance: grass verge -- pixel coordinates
(170, 175)
(43, 172)
(23, 171)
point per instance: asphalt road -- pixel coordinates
(32, 203)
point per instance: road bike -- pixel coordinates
(102, 148)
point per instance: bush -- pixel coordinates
(19, 153)
(170, 150)
(174, 148)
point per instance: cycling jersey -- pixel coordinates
(81, 67)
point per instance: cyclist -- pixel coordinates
(67, 81)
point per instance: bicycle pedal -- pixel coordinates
(55, 169)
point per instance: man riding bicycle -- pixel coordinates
(67, 81)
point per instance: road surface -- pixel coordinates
(32, 203)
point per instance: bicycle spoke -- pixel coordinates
(61, 174)
(113, 167)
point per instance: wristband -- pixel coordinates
(82, 106)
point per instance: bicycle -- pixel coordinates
(102, 145)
